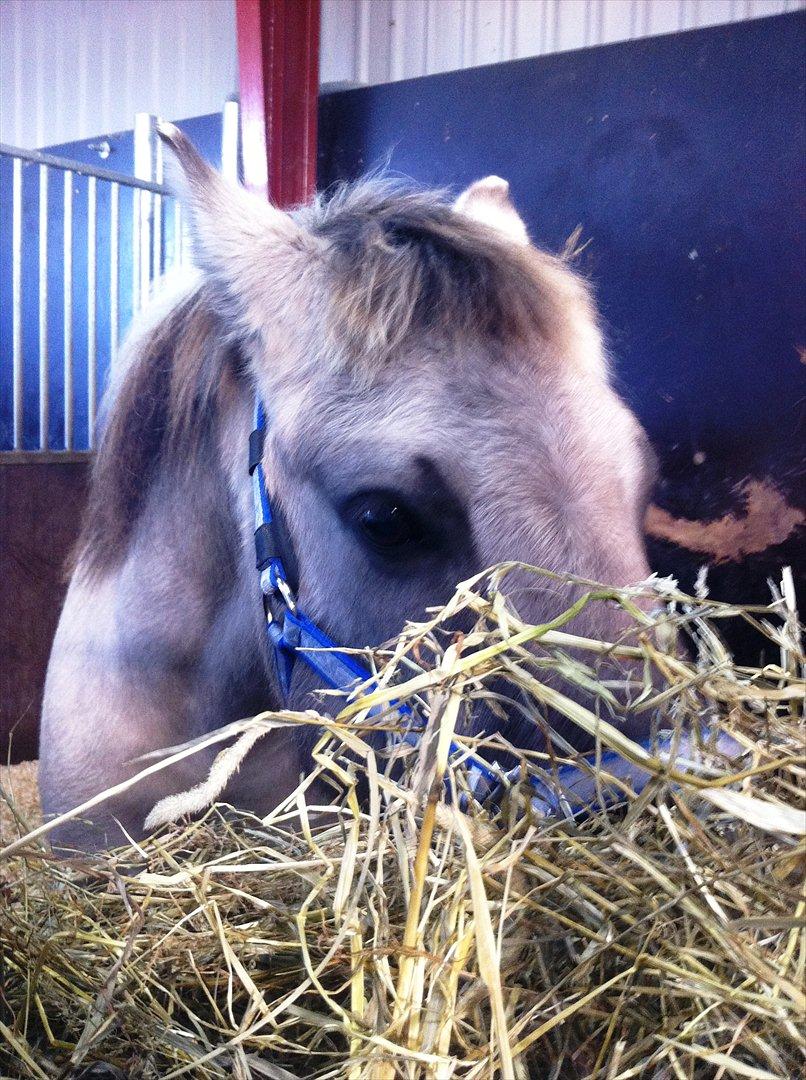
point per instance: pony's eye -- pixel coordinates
(386, 523)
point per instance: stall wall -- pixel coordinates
(677, 164)
(377, 41)
(72, 69)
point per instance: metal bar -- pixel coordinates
(44, 358)
(156, 247)
(42, 457)
(229, 140)
(144, 258)
(144, 136)
(114, 271)
(278, 61)
(178, 237)
(92, 366)
(80, 169)
(136, 223)
(68, 309)
(16, 302)
(253, 86)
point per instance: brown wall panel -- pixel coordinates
(41, 503)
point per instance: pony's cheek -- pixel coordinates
(305, 692)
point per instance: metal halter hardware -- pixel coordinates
(573, 790)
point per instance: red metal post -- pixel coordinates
(278, 61)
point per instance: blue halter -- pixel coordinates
(292, 635)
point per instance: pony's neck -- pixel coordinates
(170, 508)
(235, 424)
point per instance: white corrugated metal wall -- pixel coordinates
(76, 68)
(373, 41)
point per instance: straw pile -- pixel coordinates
(406, 932)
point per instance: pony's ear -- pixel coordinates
(234, 233)
(488, 201)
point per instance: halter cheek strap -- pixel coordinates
(292, 636)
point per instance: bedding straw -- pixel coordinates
(407, 931)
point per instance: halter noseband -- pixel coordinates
(292, 635)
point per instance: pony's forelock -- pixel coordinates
(161, 416)
(403, 266)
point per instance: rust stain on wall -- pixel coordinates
(765, 520)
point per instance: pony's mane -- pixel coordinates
(161, 416)
(403, 264)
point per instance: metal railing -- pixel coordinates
(86, 245)
(51, 201)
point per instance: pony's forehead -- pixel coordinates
(431, 409)
(402, 267)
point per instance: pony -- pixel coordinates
(438, 399)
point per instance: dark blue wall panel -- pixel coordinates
(681, 158)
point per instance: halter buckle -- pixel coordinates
(285, 591)
(266, 583)
(273, 583)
